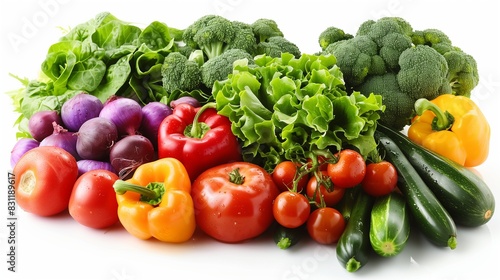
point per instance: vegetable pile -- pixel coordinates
(228, 127)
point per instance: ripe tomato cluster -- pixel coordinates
(311, 192)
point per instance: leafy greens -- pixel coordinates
(104, 56)
(283, 107)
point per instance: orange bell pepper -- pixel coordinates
(156, 202)
(452, 126)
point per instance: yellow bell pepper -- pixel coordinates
(156, 202)
(452, 126)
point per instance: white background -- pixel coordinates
(59, 248)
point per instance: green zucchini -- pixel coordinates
(346, 204)
(389, 225)
(353, 248)
(287, 237)
(431, 217)
(464, 194)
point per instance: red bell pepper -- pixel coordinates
(198, 137)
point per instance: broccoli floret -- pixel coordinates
(462, 68)
(276, 45)
(389, 58)
(392, 36)
(244, 38)
(462, 72)
(434, 38)
(357, 58)
(178, 72)
(423, 72)
(377, 30)
(392, 46)
(212, 34)
(218, 68)
(398, 105)
(331, 35)
(264, 29)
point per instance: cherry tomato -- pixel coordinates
(44, 180)
(325, 225)
(284, 174)
(380, 179)
(93, 200)
(330, 198)
(349, 170)
(234, 202)
(291, 209)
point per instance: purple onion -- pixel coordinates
(95, 138)
(79, 109)
(185, 99)
(20, 148)
(129, 153)
(85, 165)
(62, 138)
(40, 124)
(153, 114)
(125, 113)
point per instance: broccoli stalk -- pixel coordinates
(211, 34)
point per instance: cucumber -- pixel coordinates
(353, 248)
(431, 217)
(287, 237)
(464, 194)
(389, 225)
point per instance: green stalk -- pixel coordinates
(152, 193)
(442, 121)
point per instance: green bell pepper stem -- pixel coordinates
(197, 129)
(152, 193)
(442, 121)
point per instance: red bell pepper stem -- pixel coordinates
(197, 131)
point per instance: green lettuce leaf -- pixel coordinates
(285, 107)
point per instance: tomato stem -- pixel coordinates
(151, 194)
(235, 177)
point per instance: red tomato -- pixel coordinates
(284, 174)
(330, 198)
(291, 209)
(349, 170)
(44, 180)
(380, 179)
(234, 202)
(93, 200)
(325, 225)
